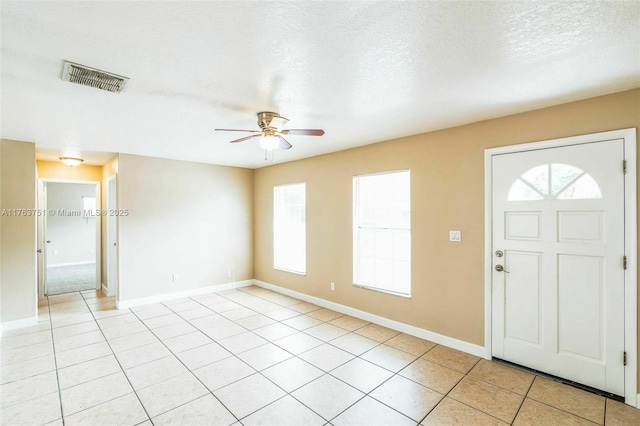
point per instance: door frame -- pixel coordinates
(111, 256)
(41, 231)
(630, 241)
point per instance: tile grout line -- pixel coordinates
(365, 394)
(294, 356)
(524, 399)
(259, 372)
(118, 361)
(475, 408)
(426, 387)
(567, 412)
(55, 363)
(189, 370)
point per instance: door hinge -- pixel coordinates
(624, 358)
(624, 262)
(624, 166)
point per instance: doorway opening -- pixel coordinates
(68, 236)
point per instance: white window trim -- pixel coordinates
(278, 268)
(355, 232)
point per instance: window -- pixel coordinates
(289, 228)
(89, 207)
(549, 181)
(382, 232)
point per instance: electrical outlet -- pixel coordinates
(175, 277)
(55, 252)
(333, 286)
(455, 236)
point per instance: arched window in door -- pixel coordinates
(554, 181)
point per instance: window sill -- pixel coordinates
(379, 290)
(304, 274)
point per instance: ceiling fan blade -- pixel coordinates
(237, 130)
(301, 132)
(284, 144)
(278, 122)
(245, 138)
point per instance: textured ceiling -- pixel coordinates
(363, 71)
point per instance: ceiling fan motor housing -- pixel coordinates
(264, 118)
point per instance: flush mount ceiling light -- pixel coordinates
(92, 77)
(70, 161)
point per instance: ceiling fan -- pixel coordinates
(272, 130)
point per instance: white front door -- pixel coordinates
(558, 236)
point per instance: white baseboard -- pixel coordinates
(21, 323)
(105, 289)
(376, 319)
(124, 304)
(57, 265)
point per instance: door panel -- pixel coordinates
(522, 225)
(523, 288)
(580, 290)
(580, 226)
(558, 217)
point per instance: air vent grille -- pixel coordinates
(87, 76)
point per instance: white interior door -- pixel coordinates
(558, 234)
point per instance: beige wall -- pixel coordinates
(447, 189)
(18, 233)
(190, 219)
(57, 170)
(1, 237)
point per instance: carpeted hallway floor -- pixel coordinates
(66, 279)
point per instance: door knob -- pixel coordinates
(48, 241)
(500, 268)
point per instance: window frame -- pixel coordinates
(355, 239)
(274, 240)
(91, 210)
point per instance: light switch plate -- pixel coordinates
(455, 236)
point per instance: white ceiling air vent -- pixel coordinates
(87, 76)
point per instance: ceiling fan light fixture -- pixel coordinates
(272, 131)
(71, 161)
(269, 142)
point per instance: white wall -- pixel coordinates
(73, 238)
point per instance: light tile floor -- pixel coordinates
(254, 357)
